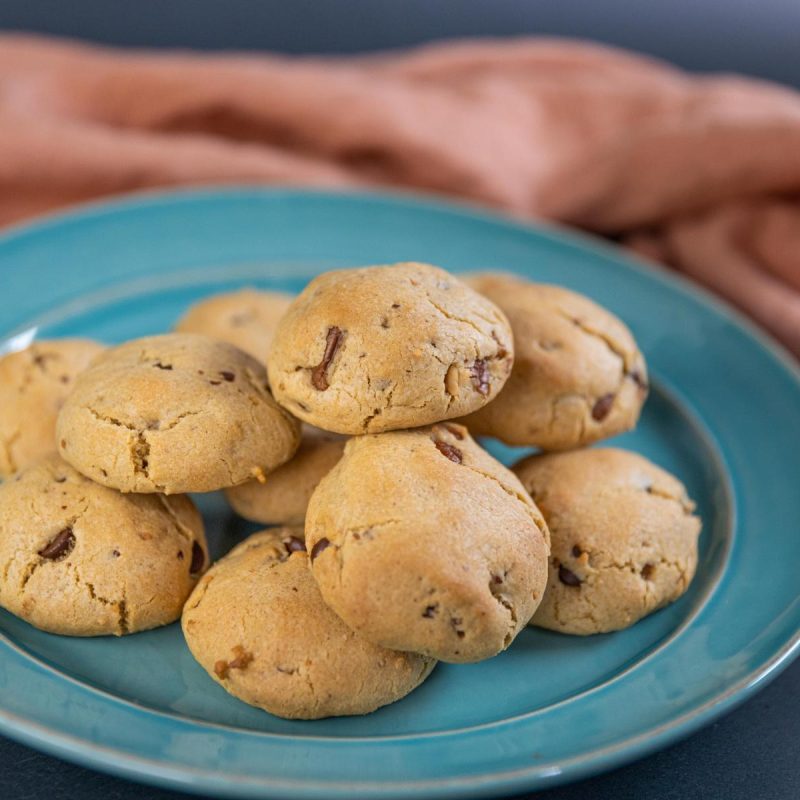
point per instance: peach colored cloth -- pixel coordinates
(702, 173)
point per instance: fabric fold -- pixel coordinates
(701, 173)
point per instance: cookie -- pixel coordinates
(624, 538)
(578, 375)
(246, 319)
(257, 624)
(381, 348)
(283, 497)
(174, 413)
(419, 540)
(33, 385)
(82, 560)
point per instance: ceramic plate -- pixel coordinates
(723, 415)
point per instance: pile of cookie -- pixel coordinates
(343, 418)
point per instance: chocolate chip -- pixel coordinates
(457, 432)
(637, 378)
(395, 305)
(568, 577)
(180, 555)
(295, 545)
(430, 611)
(159, 365)
(384, 323)
(221, 669)
(601, 408)
(198, 559)
(115, 553)
(228, 376)
(480, 376)
(321, 545)
(59, 546)
(576, 551)
(648, 571)
(319, 375)
(241, 658)
(497, 579)
(453, 453)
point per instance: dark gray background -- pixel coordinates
(761, 37)
(752, 754)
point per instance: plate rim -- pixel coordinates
(124, 763)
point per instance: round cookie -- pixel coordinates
(624, 538)
(33, 385)
(174, 413)
(82, 560)
(247, 319)
(578, 375)
(421, 541)
(283, 497)
(257, 624)
(381, 348)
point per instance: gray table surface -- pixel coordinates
(751, 754)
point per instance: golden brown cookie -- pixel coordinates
(82, 560)
(247, 319)
(421, 541)
(33, 385)
(282, 497)
(257, 624)
(174, 413)
(382, 348)
(578, 375)
(624, 538)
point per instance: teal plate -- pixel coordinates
(723, 415)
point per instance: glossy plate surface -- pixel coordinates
(723, 415)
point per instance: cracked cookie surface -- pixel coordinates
(257, 624)
(174, 413)
(578, 375)
(421, 541)
(33, 385)
(82, 560)
(388, 347)
(246, 319)
(624, 538)
(282, 498)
